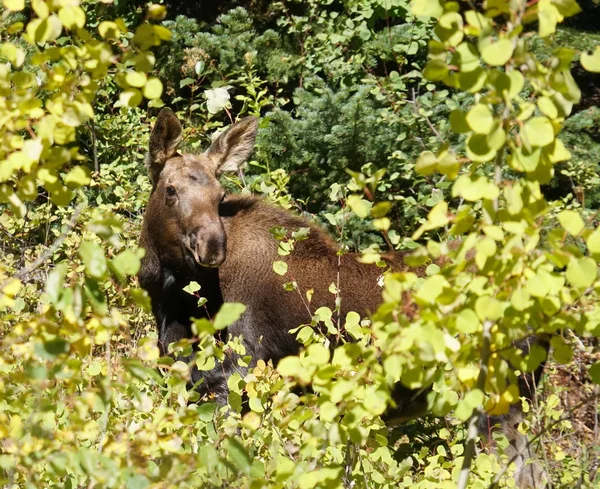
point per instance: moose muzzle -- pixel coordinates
(208, 245)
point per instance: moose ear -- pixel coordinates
(165, 137)
(232, 148)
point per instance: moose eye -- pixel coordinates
(223, 197)
(171, 190)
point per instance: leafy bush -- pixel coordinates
(466, 138)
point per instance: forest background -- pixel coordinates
(388, 139)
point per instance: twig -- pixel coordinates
(92, 128)
(431, 126)
(25, 271)
(473, 430)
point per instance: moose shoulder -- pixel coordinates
(193, 232)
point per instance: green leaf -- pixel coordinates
(137, 481)
(426, 163)
(468, 57)
(130, 98)
(595, 373)
(136, 78)
(192, 288)
(480, 119)
(581, 272)
(436, 70)
(593, 242)
(255, 405)
(458, 122)
(472, 400)
(538, 131)
(77, 177)
(561, 351)
(496, 53)
(50, 349)
(153, 88)
(591, 62)
(427, 8)
(478, 148)
(93, 258)
(487, 307)
(467, 322)
(72, 17)
(317, 354)
(126, 263)
(280, 267)
(359, 206)
(571, 221)
(229, 313)
(547, 107)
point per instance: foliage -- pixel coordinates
(457, 144)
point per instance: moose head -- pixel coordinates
(182, 216)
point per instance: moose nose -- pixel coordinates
(208, 244)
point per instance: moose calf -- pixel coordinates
(193, 231)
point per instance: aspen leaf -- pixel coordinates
(77, 177)
(108, 29)
(521, 299)
(549, 17)
(595, 373)
(593, 242)
(157, 12)
(153, 88)
(581, 272)
(426, 163)
(359, 206)
(480, 119)
(130, 98)
(229, 313)
(472, 400)
(591, 62)
(478, 148)
(538, 131)
(14, 5)
(571, 222)
(427, 8)
(497, 53)
(280, 267)
(93, 258)
(450, 28)
(458, 122)
(547, 107)
(435, 70)
(468, 57)
(72, 17)
(467, 322)
(135, 78)
(473, 81)
(238, 455)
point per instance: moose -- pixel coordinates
(192, 231)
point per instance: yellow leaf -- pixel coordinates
(14, 5)
(72, 17)
(153, 88)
